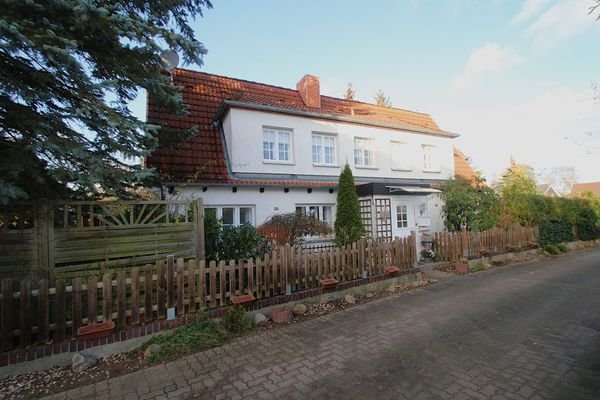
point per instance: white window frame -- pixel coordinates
(321, 162)
(319, 206)
(402, 221)
(430, 158)
(363, 146)
(405, 155)
(236, 212)
(277, 132)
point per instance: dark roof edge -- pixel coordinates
(226, 104)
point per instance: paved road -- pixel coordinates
(530, 331)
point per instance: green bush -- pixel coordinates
(552, 249)
(562, 248)
(232, 243)
(588, 224)
(235, 320)
(552, 232)
(242, 242)
(478, 266)
(476, 207)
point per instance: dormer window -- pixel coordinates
(277, 145)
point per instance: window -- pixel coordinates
(323, 149)
(364, 156)
(400, 155)
(430, 162)
(322, 212)
(277, 145)
(232, 215)
(402, 216)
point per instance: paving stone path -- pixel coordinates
(529, 331)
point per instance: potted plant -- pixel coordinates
(427, 254)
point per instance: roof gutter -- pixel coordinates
(226, 104)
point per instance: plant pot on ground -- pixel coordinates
(461, 267)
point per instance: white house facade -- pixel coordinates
(262, 150)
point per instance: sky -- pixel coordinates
(513, 78)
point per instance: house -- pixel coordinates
(581, 188)
(261, 150)
(546, 189)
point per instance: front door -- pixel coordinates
(402, 218)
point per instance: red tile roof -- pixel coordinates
(200, 158)
(580, 188)
(462, 168)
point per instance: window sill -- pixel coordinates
(365, 167)
(278, 162)
(433, 171)
(402, 169)
(326, 165)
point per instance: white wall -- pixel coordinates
(243, 132)
(273, 201)
(435, 205)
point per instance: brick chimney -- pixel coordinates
(308, 87)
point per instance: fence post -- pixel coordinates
(43, 226)
(464, 236)
(199, 228)
(7, 315)
(413, 243)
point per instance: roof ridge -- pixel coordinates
(296, 91)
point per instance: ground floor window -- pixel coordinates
(322, 212)
(232, 215)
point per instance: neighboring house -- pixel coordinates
(546, 189)
(261, 150)
(581, 188)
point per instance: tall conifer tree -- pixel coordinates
(348, 225)
(68, 71)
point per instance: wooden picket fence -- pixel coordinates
(452, 246)
(32, 312)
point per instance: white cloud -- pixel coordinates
(492, 58)
(529, 9)
(563, 20)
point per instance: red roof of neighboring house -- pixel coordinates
(462, 168)
(201, 158)
(580, 188)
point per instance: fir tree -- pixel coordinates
(382, 100)
(348, 225)
(350, 92)
(68, 71)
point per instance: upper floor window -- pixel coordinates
(364, 155)
(323, 149)
(277, 145)
(400, 155)
(430, 161)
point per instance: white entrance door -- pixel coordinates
(403, 218)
